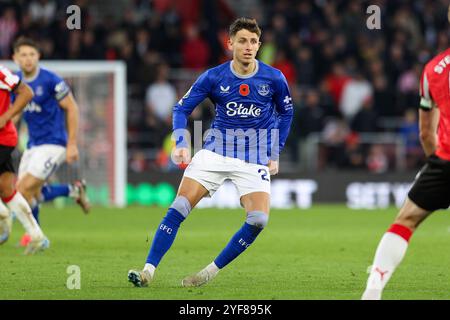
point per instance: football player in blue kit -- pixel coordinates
(253, 115)
(52, 120)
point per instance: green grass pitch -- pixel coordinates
(320, 253)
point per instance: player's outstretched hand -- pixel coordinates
(181, 156)
(273, 167)
(71, 153)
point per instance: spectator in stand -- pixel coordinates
(308, 118)
(377, 161)
(355, 92)
(336, 81)
(304, 66)
(9, 28)
(195, 50)
(366, 118)
(268, 49)
(409, 131)
(43, 12)
(334, 135)
(161, 97)
(285, 66)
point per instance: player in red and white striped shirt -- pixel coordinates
(14, 201)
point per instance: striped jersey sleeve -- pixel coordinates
(8, 80)
(426, 100)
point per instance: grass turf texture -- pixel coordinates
(321, 253)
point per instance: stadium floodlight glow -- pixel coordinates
(100, 90)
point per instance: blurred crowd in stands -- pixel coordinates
(347, 81)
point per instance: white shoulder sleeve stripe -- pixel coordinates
(426, 100)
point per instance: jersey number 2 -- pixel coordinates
(264, 175)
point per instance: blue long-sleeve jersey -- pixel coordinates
(45, 118)
(253, 112)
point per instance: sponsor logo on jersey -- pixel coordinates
(235, 109)
(224, 90)
(439, 68)
(263, 89)
(288, 103)
(244, 89)
(33, 107)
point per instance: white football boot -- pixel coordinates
(202, 277)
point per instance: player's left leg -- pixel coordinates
(257, 206)
(75, 190)
(392, 248)
(428, 194)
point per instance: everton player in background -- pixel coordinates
(10, 197)
(52, 119)
(254, 111)
(430, 191)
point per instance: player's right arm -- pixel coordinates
(428, 118)
(23, 94)
(196, 94)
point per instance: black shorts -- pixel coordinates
(6, 162)
(431, 189)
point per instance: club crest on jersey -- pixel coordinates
(244, 89)
(263, 89)
(39, 91)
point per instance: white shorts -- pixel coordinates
(41, 161)
(211, 170)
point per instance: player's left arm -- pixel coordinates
(428, 124)
(285, 111)
(70, 106)
(428, 117)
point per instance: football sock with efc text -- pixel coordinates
(51, 191)
(255, 223)
(390, 252)
(164, 236)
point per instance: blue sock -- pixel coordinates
(164, 236)
(240, 241)
(35, 212)
(52, 191)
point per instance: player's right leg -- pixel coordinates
(5, 223)
(189, 194)
(17, 204)
(36, 166)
